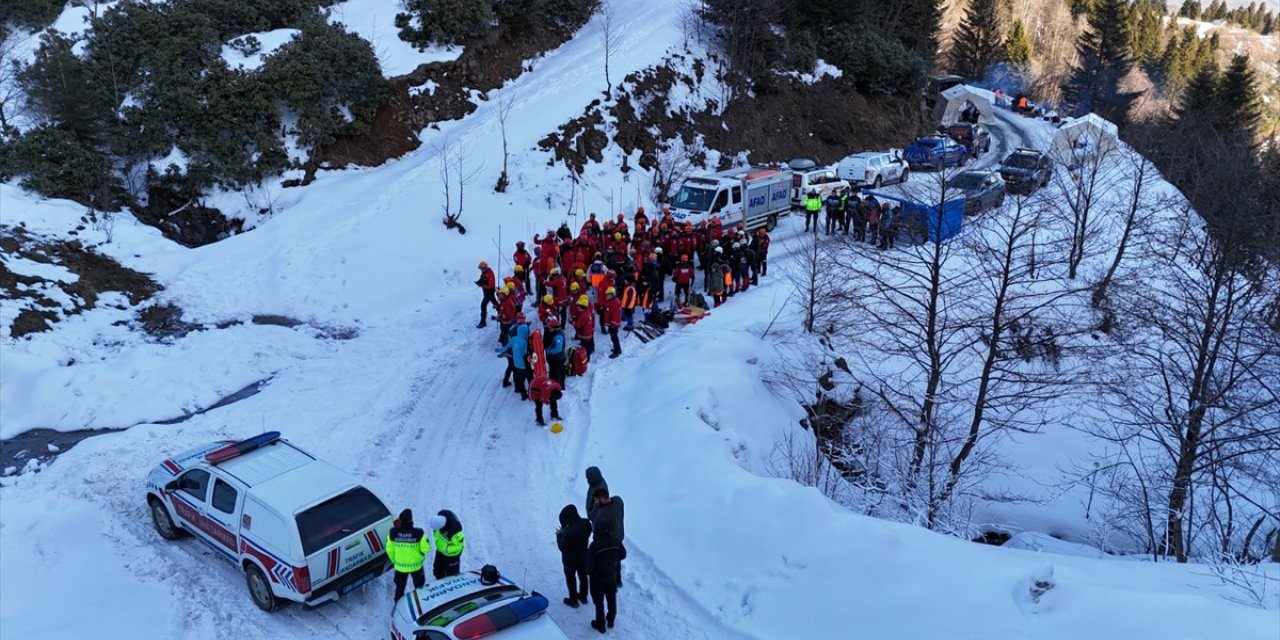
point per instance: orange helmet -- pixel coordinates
(684, 256)
(484, 265)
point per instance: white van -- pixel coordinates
(300, 529)
(874, 168)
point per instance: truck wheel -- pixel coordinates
(771, 223)
(1000, 200)
(940, 166)
(260, 588)
(906, 173)
(161, 521)
(879, 181)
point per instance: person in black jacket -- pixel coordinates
(595, 480)
(604, 558)
(572, 538)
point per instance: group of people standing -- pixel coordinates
(591, 551)
(408, 547)
(600, 279)
(871, 221)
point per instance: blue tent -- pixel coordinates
(942, 225)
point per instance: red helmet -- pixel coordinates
(553, 322)
(520, 319)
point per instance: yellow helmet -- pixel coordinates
(610, 291)
(579, 272)
(583, 301)
(549, 299)
(573, 286)
(519, 268)
(617, 236)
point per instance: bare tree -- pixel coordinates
(502, 110)
(455, 176)
(815, 282)
(1140, 177)
(12, 98)
(959, 343)
(1090, 173)
(676, 159)
(1197, 395)
(610, 38)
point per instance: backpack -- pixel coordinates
(577, 361)
(697, 300)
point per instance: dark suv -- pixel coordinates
(974, 137)
(1026, 170)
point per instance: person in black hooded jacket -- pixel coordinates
(604, 560)
(450, 542)
(595, 480)
(572, 538)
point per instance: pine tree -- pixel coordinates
(1190, 9)
(1017, 49)
(1103, 62)
(1145, 28)
(979, 40)
(1241, 103)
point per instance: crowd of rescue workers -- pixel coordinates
(612, 273)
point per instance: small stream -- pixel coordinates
(43, 445)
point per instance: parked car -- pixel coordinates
(975, 137)
(1026, 170)
(467, 606)
(935, 152)
(807, 176)
(874, 168)
(981, 190)
(300, 529)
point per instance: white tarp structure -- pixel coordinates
(953, 102)
(1082, 138)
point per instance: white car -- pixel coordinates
(300, 529)
(465, 606)
(874, 168)
(807, 176)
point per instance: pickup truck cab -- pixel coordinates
(935, 152)
(874, 168)
(300, 529)
(807, 176)
(974, 137)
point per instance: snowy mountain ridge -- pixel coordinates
(406, 395)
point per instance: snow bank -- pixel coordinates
(374, 20)
(777, 560)
(106, 595)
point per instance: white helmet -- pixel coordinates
(658, 250)
(719, 249)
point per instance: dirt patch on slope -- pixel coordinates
(45, 301)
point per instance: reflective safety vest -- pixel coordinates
(451, 547)
(629, 297)
(812, 204)
(406, 548)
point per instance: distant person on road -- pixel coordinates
(595, 481)
(487, 285)
(715, 276)
(407, 547)
(835, 210)
(573, 538)
(449, 544)
(812, 205)
(604, 562)
(888, 228)
(545, 390)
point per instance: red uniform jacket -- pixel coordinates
(584, 326)
(547, 311)
(542, 389)
(612, 313)
(522, 258)
(486, 279)
(683, 273)
(507, 310)
(559, 288)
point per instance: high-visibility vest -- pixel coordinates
(451, 546)
(812, 204)
(407, 555)
(629, 297)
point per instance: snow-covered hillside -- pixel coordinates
(381, 371)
